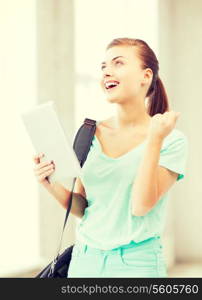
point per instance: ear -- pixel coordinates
(147, 76)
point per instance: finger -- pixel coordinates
(37, 157)
(39, 171)
(44, 163)
(44, 175)
(40, 166)
(170, 112)
(174, 113)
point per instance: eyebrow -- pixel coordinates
(103, 63)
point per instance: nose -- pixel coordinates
(107, 72)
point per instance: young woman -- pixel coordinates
(135, 158)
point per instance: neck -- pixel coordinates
(130, 116)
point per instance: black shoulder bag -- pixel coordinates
(58, 268)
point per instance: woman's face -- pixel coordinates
(122, 75)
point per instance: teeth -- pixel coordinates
(110, 84)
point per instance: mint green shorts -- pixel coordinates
(143, 259)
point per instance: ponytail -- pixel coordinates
(158, 100)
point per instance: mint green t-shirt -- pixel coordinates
(108, 222)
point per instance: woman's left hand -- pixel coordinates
(162, 124)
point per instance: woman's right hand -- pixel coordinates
(43, 169)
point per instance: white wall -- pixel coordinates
(37, 65)
(55, 81)
(180, 25)
(18, 200)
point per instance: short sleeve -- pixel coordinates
(174, 154)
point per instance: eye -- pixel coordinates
(118, 61)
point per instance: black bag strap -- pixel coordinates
(83, 139)
(81, 145)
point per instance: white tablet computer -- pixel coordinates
(47, 136)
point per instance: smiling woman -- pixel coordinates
(135, 158)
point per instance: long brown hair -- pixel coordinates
(158, 100)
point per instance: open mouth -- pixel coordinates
(111, 85)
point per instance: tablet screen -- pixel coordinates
(47, 136)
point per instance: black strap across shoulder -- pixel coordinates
(83, 139)
(81, 145)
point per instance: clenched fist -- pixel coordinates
(162, 124)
